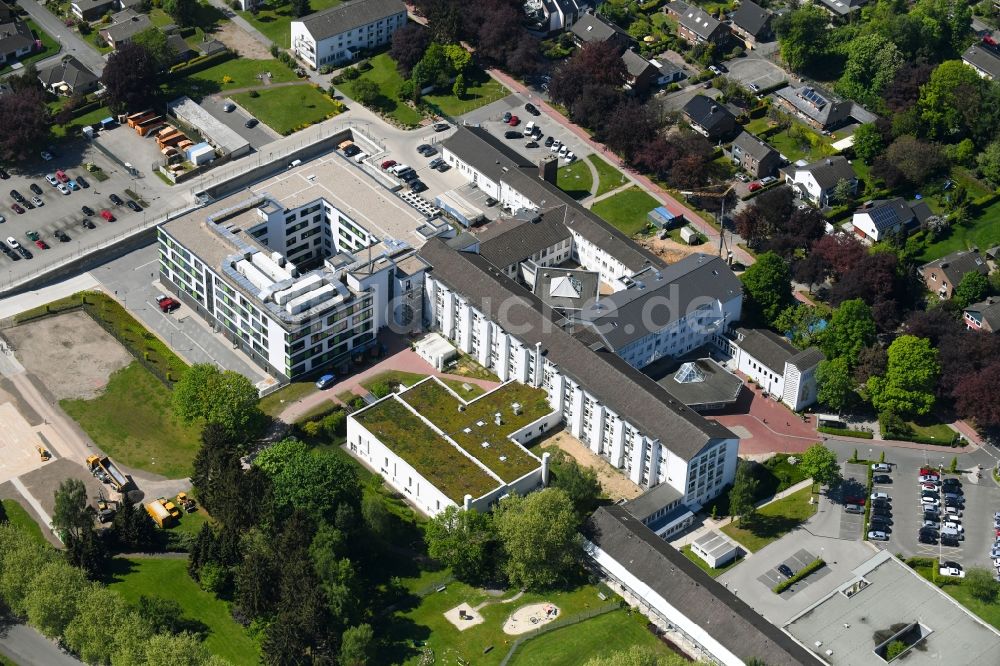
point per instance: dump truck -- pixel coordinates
(158, 511)
(114, 475)
(170, 507)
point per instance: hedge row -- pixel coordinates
(802, 573)
(844, 432)
(199, 63)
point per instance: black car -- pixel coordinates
(549, 141)
(926, 538)
(61, 235)
(17, 196)
(251, 122)
(951, 482)
(23, 251)
(81, 181)
(531, 144)
(882, 478)
(87, 224)
(933, 517)
(951, 501)
(87, 210)
(512, 134)
(352, 150)
(408, 175)
(929, 530)
(441, 127)
(417, 186)
(530, 108)
(34, 188)
(4, 175)
(490, 202)
(116, 200)
(880, 503)
(133, 205)
(949, 541)
(785, 570)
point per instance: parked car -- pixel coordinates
(41, 245)
(17, 209)
(953, 511)
(531, 144)
(418, 186)
(17, 196)
(82, 182)
(507, 115)
(881, 467)
(251, 123)
(952, 525)
(444, 166)
(46, 155)
(228, 107)
(715, 70)
(854, 508)
(928, 478)
(12, 243)
(950, 541)
(87, 210)
(166, 303)
(767, 180)
(512, 134)
(326, 381)
(61, 176)
(351, 150)
(879, 495)
(106, 214)
(441, 127)
(424, 147)
(62, 188)
(742, 177)
(530, 108)
(514, 121)
(34, 188)
(882, 478)
(88, 224)
(436, 162)
(4, 175)
(569, 156)
(116, 200)
(951, 569)
(133, 205)
(927, 538)
(951, 501)
(754, 87)
(929, 501)
(549, 140)
(37, 202)
(754, 186)
(388, 163)
(72, 184)
(954, 483)
(785, 570)
(877, 535)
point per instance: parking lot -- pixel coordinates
(491, 115)
(63, 212)
(756, 70)
(259, 135)
(795, 562)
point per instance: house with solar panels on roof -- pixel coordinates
(815, 107)
(877, 220)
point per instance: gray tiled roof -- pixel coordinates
(512, 240)
(695, 19)
(989, 310)
(817, 104)
(625, 390)
(807, 358)
(84, 5)
(982, 58)
(630, 314)
(753, 146)
(69, 71)
(350, 15)
(593, 28)
(498, 162)
(127, 24)
(709, 114)
(651, 501)
(635, 64)
(767, 347)
(751, 17)
(956, 265)
(15, 36)
(830, 170)
(683, 585)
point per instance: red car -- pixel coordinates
(754, 186)
(106, 214)
(166, 303)
(388, 164)
(41, 244)
(514, 121)
(61, 176)
(928, 471)
(17, 209)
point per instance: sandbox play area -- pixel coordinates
(530, 617)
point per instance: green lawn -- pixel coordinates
(50, 47)
(773, 521)
(596, 637)
(394, 377)
(989, 612)
(133, 422)
(928, 428)
(627, 210)
(290, 108)
(19, 518)
(169, 579)
(241, 73)
(73, 127)
(983, 232)
(575, 179)
(470, 367)
(706, 567)
(773, 475)
(810, 145)
(424, 621)
(383, 73)
(481, 89)
(190, 523)
(608, 177)
(273, 404)
(274, 19)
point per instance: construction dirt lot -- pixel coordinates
(236, 39)
(614, 482)
(43, 483)
(70, 354)
(670, 250)
(18, 443)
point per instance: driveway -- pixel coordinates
(258, 136)
(755, 69)
(71, 42)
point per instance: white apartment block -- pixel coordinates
(338, 34)
(784, 372)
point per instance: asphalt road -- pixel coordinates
(236, 120)
(26, 647)
(71, 41)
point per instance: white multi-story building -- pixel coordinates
(787, 373)
(338, 34)
(618, 412)
(295, 276)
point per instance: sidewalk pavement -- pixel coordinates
(33, 299)
(674, 206)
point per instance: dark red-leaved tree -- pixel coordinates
(596, 63)
(976, 396)
(408, 46)
(841, 252)
(24, 123)
(131, 78)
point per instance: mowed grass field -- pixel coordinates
(19, 518)
(134, 423)
(290, 108)
(627, 210)
(169, 579)
(773, 521)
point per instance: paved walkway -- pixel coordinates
(33, 299)
(674, 206)
(405, 360)
(590, 201)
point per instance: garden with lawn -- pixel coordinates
(983, 231)
(575, 179)
(50, 47)
(481, 89)
(169, 579)
(230, 75)
(134, 423)
(627, 210)
(274, 403)
(608, 177)
(773, 521)
(274, 19)
(290, 108)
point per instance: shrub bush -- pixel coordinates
(254, 94)
(844, 432)
(799, 575)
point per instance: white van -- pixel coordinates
(398, 169)
(529, 129)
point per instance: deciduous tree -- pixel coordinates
(315, 484)
(466, 541)
(301, 7)
(981, 584)
(868, 142)
(821, 464)
(950, 100)
(803, 36)
(24, 124)
(408, 45)
(973, 288)
(579, 483)
(768, 288)
(71, 516)
(909, 381)
(742, 496)
(227, 398)
(356, 645)
(131, 78)
(154, 41)
(540, 538)
(835, 387)
(365, 92)
(851, 328)
(977, 397)
(872, 62)
(184, 12)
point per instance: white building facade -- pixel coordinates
(338, 34)
(784, 372)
